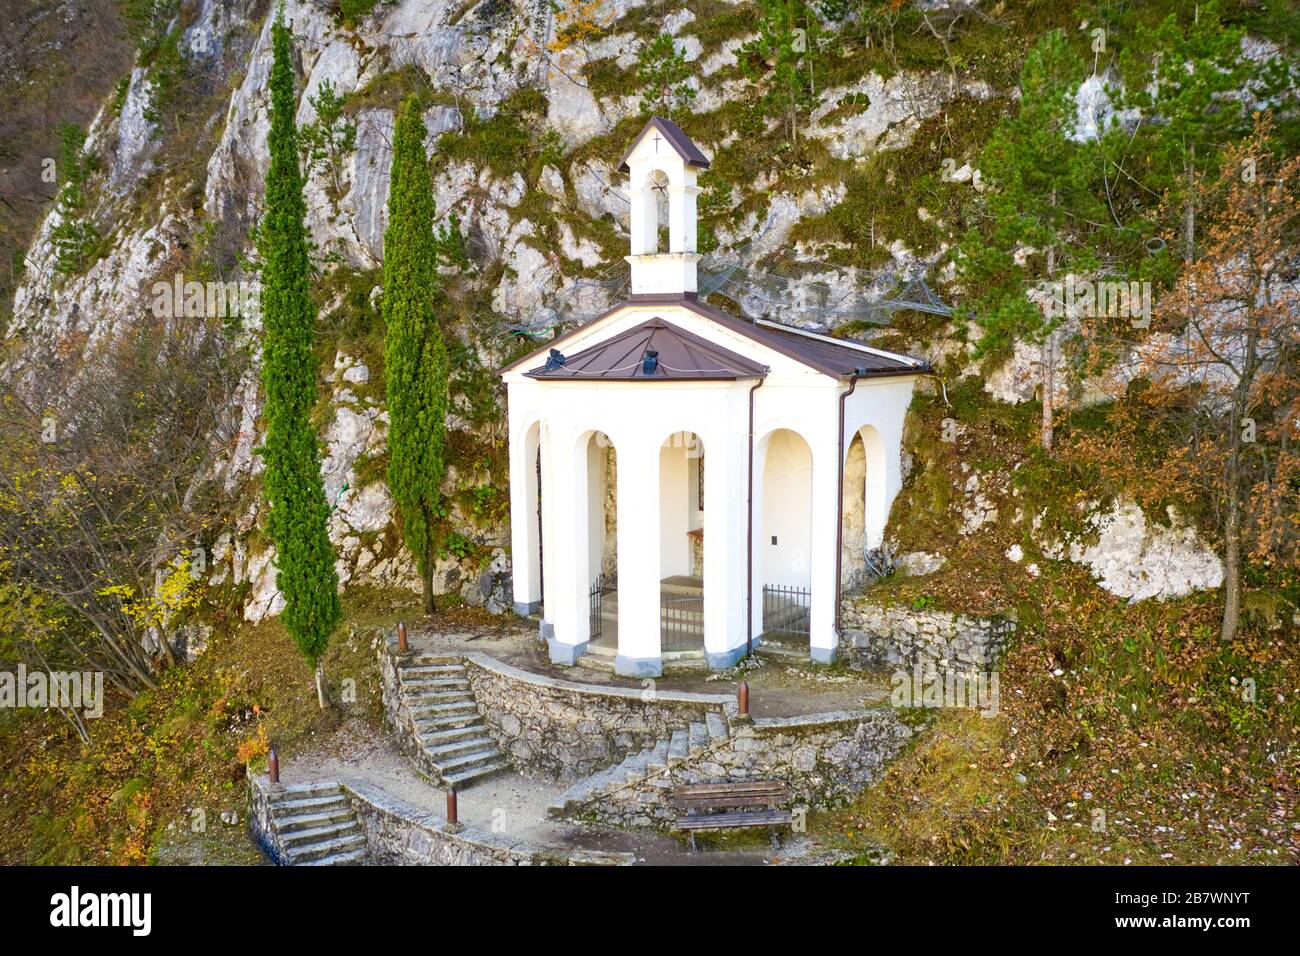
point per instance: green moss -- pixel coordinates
(885, 192)
(389, 90)
(605, 78)
(507, 141)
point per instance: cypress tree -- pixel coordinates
(298, 509)
(415, 358)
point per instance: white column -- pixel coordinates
(725, 530)
(638, 555)
(524, 529)
(566, 553)
(681, 218)
(643, 225)
(825, 522)
(759, 540)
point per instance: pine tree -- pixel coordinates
(415, 357)
(1178, 79)
(1042, 203)
(298, 509)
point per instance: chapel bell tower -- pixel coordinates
(663, 160)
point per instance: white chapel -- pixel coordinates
(679, 476)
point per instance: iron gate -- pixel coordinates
(786, 610)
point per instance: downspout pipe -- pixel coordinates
(839, 508)
(749, 531)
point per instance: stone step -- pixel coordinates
(717, 726)
(436, 738)
(439, 696)
(461, 777)
(682, 584)
(444, 752)
(349, 858)
(434, 722)
(426, 658)
(308, 821)
(578, 794)
(419, 684)
(431, 670)
(678, 748)
(698, 736)
(290, 809)
(326, 848)
(444, 708)
(330, 831)
(473, 758)
(296, 791)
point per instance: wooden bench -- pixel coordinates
(694, 802)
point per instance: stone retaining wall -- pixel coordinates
(398, 717)
(398, 833)
(565, 731)
(826, 758)
(877, 637)
(259, 820)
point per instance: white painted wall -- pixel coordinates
(598, 450)
(674, 508)
(787, 512)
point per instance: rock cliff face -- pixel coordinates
(543, 231)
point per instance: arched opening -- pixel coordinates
(783, 552)
(602, 539)
(526, 481)
(862, 518)
(681, 542)
(657, 211)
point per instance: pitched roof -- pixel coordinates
(677, 139)
(675, 355)
(838, 358)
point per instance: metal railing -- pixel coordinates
(786, 610)
(681, 623)
(604, 584)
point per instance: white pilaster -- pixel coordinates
(566, 578)
(638, 555)
(725, 532)
(825, 524)
(524, 529)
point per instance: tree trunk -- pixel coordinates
(1048, 358)
(1189, 209)
(320, 685)
(1231, 569)
(426, 584)
(1049, 386)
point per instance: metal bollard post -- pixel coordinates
(453, 823)
(742, 696)
(273, 768)
(401, 637)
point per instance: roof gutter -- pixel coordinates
(839, 508)
(749, 531)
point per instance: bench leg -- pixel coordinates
(774, 837)
(694, 848)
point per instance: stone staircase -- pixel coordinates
(316, 826)
(684, 744)
(436, 694)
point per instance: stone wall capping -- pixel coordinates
(487, 662)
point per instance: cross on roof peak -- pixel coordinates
(666, 131)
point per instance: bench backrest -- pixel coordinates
(749, 793)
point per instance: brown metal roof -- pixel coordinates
(835, 357)
(677, 139)
(673, 354)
